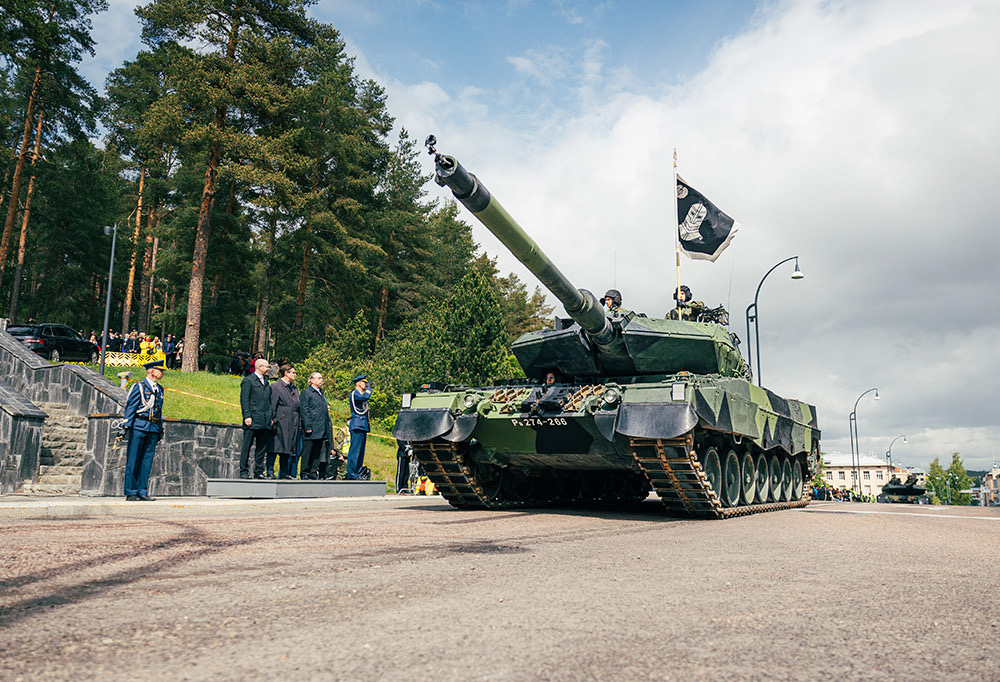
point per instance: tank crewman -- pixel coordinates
(144, 422)
(686, 308)
(359, 426)
(612, 302)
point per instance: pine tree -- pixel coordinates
(44, 40)
(217, 81)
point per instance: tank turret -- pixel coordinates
(596, 344)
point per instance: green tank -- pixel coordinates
(638, 404)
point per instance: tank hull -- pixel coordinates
(705, 445)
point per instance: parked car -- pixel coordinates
(57, 342)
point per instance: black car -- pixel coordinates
(57, 342)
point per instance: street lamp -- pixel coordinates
(797, 274)
(888, 453)
(853, 423)
(113, 231)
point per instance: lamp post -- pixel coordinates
(853, 424)
(752, 316)
(113, 231)
(888, 453)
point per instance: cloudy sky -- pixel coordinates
(861, 136)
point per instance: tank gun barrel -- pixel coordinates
(581, 305)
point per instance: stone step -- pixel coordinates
(73, 460)
(57, 431)
(61, 412)
(59, 469)
(62, 479)
(73, 478)
(51, 489)
(64, 445)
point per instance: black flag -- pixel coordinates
(703, 229)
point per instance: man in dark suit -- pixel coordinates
(144, 422)
(255, 401)
(317, 428)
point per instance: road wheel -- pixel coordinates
(748, 479)
(572, 486)
(773, 478)
(762, 480)
(713, 470)
(517, 486)
(54, 355)
(489, 479)
(618, 485)
(797, 485)
(731, 480)
(786, 480)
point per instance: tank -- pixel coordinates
(897, 492)
(638, 405)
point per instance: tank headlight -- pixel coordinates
(678, 391)
(407, 399)
(470, 401)
(612, 396)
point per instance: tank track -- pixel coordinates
(454, 477)
(678, 479)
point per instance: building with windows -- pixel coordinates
(989, 491)
(875, 472)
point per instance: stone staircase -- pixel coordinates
(64, 439)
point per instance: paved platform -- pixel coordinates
(274, 489)
(20, 507)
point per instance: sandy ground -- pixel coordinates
(412, 589)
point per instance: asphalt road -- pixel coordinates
(413, 590)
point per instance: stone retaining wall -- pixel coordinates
(190, 453)
(20, 440)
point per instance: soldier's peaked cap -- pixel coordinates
(360, 377)
(155, 364)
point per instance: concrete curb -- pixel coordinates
(24, 507)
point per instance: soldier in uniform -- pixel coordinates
(612, 302)
(144, 422)
(686, 308)
(358, 424)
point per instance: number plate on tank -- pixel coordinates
(539, 421)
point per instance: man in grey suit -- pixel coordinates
(317, 428)
(255, 402)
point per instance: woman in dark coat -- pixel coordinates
(287, 421)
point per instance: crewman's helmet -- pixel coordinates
(615, 295)
(686, 291)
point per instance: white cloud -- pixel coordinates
(860, 136)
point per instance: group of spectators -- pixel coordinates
(293, 429)
(840, 495)
(141, 343)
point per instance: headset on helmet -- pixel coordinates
(687, 293)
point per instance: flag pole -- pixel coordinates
(677, 236)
